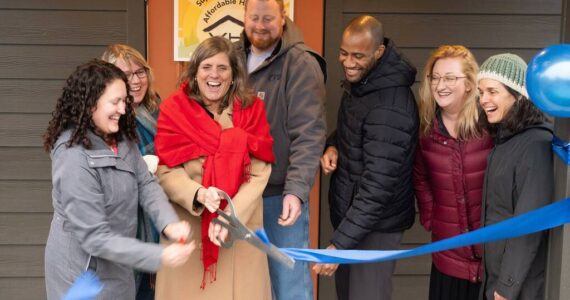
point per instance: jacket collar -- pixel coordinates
(98, 145)
(291, 36)
(393, 69)
(505, 134)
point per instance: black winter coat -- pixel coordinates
(377, 132)
(519, 178)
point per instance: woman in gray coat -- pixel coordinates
(99, 178)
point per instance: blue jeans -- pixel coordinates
(288, 284)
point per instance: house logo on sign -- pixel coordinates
(228, 27)
(198, 20)
(221, 18)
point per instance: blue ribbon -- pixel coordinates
(86, 287)
(562, 149)
(544, 218)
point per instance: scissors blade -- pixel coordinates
(240, 232)
(270, 249)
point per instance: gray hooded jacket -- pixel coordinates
(292, 84)
(95, 198)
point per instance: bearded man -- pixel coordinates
(290, 78)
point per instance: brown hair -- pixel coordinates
(207, 49)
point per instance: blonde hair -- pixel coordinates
(467, 125)
(130, 55)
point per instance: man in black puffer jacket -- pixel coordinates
(371, 154)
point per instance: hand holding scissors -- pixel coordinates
(238, 231)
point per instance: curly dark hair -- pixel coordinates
(74, 108)
(522, 114)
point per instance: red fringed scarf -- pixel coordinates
(185, 132)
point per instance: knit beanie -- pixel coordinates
(509, 69)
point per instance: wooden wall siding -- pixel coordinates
(41, 43)
(24, 228)
(22, 261)
(23, 130)
(99, 5)
(53, 62)
(508, 7)
(417, 27)
(26, 96)
(24, 288)
(80, 27)
(25, 196)
(24, 163)
(477, 31)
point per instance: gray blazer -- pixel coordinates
(95, 198)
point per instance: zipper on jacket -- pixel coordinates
(484, 200)
(103, 155)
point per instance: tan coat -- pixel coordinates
(242, 271)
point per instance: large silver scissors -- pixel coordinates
(238, 231)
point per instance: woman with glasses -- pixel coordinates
(145, 104)
(519, 178)
(449, 168)
(146, 99)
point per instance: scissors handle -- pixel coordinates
(239, 231)
(229, 240)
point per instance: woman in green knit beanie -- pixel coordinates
(519, 178)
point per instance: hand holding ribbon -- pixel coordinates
(326, 269)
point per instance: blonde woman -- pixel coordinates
(145, 104)
(145, 98)
(449, 168)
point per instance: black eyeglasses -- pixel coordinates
(449, 80)
(141, 74)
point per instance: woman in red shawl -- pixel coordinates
(212, 133)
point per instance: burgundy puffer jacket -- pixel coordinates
(448, 181)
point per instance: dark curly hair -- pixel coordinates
(74, 108)
(522, 114)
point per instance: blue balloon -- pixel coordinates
(548, 80)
